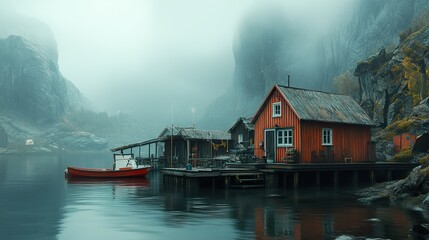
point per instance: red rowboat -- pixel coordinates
(124, 165)
(107, 173)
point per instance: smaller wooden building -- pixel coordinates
(307, 126)
(404, 140)
(184, 144)
(242, 133)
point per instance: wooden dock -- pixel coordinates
(287, 175)
(214, 177)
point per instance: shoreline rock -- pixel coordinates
(411, 192)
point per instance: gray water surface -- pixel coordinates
(37, 202)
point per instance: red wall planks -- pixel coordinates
(348, 140)
(266, 120)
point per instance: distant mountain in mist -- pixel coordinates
(35, 99)
(268, 48)
(31, 83)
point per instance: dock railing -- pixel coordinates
(208, 162)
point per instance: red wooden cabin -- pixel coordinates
(298, 125)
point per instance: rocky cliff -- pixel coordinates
(31, 83)
(394, 87)
(269, 46)
(35, 98)
(365, 27)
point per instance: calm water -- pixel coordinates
(37, 202)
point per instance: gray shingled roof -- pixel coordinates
(325, 107)
(193, 133)
(247, 124)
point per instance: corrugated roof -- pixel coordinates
(325, 107)
(193, 133)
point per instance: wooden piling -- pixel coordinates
(336, 179)
(318, 179)
(295, 180)
(355, 179)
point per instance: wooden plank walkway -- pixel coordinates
(281, 174)
(303, 167)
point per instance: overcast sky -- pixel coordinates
(131, 55)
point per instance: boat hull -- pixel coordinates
(106, 173)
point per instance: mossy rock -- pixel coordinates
(405, 155)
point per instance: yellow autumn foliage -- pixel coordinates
(415, 80)
(405, 155)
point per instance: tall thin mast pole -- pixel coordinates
(171, 136)
(171, 146)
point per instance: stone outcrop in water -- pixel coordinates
(413, 191)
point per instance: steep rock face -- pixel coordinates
(34, 95)
(382, 93)
(394, 89)
(31, 83)
(258, 52)
(12, 23)
(384, 79)
(268, 47)
(259, 48)
(365, 27)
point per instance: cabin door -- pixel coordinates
(269, 146)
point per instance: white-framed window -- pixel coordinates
(277, 109)
(326, 136)
(240, 138)
(285, 137)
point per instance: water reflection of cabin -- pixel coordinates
(194, 144)
(312, 126)
(242, 133)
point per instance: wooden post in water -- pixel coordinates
(371, 177)
(318, 179)
(275, 180)
(355, 179)
(295, 180)
(389, 175)
(336, 179)
(284, 180)
(213, 183)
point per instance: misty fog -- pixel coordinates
(155, 57)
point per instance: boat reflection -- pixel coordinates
(131, 182)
